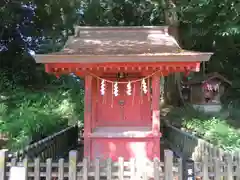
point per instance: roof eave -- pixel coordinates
(138, 58)
(122, 28)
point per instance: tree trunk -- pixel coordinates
(172, 88)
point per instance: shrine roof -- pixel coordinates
(121, 44)
(208, 77)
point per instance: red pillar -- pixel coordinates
(155, 104)
(94, 104)
(87, 114)
(47, 68)
(156, 114)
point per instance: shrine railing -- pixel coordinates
(192, 147)
(97, 169)
(55, 146)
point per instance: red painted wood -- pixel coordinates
(146, 148)
(135, 110)
(100, 68)
(87, 115)
(123, 65)
(47, 68)
(155, 104)
(94, 103)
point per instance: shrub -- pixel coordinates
(28, 115)
(216, 130)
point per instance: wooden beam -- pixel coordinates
(155, 104)
(94, 102)
(87, 115)
(110, 65)
(100, 70)
(47, 68)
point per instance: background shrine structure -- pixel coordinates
(122, 67)
(204, 92)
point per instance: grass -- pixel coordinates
(29, 114)
(213, 128)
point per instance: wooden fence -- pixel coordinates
(72, 169)
(54, 146)
(192, 147)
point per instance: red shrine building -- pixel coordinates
(122, 67)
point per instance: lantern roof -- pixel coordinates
(122, 44)
(208, 77)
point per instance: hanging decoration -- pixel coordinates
(103, 87)
(129, 89)
(115, 91)
(211, 87)
(144, 86)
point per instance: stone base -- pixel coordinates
(209, 108)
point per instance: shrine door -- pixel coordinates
(123, 110)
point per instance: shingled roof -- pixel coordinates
(200, 78)
(117, 41)
(124, 42)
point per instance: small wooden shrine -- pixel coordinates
(206, 90)
(122, 67)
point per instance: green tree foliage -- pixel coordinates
(29, 25)
(50, 17)
(122, 13)
(28, 115)
(44, 25)
(213, 25)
